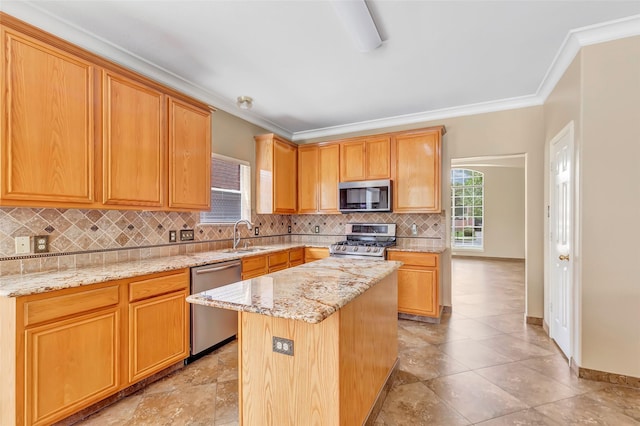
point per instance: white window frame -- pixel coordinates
(454, 246)
(245, 189)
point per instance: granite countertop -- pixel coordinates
(309, 292)
(42, 282)
(418, 248)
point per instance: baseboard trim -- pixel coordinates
(447, 309)
(534, 320)
(603, 376)
(420, 318)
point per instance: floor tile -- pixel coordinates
(117, 414)
(428, 362)
(625, 400)
(581, 410)
(516, 349)
(527, 385)
(474, 397)
(528, 417)
(189, 405)
(474, 328)
(507, 323)
(473, 354)
(557, 368)
(416, 404)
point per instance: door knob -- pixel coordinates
(563, 257)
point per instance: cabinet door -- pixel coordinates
(284, 178)
(47, 136)
(328, 178)
(418, 292)
(189, 157)
(158, 334)
(417, 181)
(312, 254)
(352, 161)
(378, 163)
(71, 364)
(308, 179)
(133, 143)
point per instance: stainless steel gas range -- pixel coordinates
(365, 241)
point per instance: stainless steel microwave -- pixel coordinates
(365, 196)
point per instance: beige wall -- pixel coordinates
(233, 137)
(518, 131)
(504, 211)
(611, 207)
(600, 92)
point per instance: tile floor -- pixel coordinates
(481, 365)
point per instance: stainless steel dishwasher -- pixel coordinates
(212, 326)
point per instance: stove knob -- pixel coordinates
(344, 248)
(355, 248)
(368, 249)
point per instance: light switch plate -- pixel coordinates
(172, 236)
(186, 235)
(23, 245)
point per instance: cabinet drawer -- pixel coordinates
(154, 285)
(38, 311)
(254, 264)
(278, 260)
(296, 256)
(415, 258)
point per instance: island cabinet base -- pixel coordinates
(338, 369)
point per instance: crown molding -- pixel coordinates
(420, 117)
(68, 31)
(580, 37)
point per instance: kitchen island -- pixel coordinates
(337, 319)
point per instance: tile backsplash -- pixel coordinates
(80, 238)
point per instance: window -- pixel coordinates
(230, 191)
(467, 209)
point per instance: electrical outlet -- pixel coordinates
(256, 231)
(289, 229)
(186, 235)
(41, 244)
(414, 229)
(172, 236)
(317, 229)
(23, 245)
(282, 345)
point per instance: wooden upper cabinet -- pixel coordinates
(276, 175)
(328, 178)
(189, 156)
(366, 159)
(318, 176)
(308, 179)
(47, 136)
(133, 143)
(417, 171)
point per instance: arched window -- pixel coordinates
(467, 209)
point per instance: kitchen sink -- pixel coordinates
(244, 250)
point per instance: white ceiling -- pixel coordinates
(304, 73)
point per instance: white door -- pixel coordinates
(561, 228)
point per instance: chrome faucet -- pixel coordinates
(236, 234)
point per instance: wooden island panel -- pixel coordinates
(338, 369)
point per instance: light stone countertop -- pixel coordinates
(42, 282)
(309, 292)
(418, 248)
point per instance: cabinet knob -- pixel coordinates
(563, 257)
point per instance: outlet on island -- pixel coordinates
(186, 235)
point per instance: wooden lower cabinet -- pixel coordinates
(65, 350)
(418, 283)
(296, 257)
(278, 261)
(254, 266)
(71, 364)
(158, 322)
(312, 254)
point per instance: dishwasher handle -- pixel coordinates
(216, 269)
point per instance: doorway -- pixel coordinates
(495, 232)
